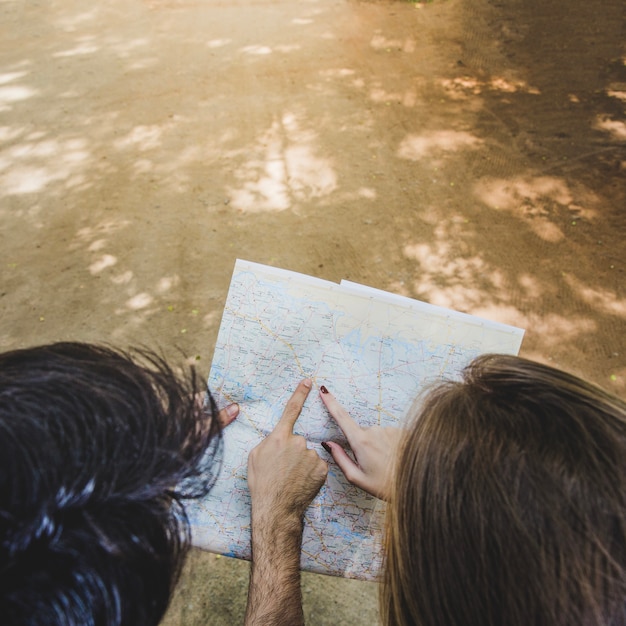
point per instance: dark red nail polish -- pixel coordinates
(326, 447)
(323, 389)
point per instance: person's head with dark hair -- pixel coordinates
(97, 448)
(509, 503)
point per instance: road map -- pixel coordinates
(376, 351)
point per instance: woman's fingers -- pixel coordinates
(374, 450)
(349, 427)
(350, 469)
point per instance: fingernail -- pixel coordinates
(323, 389)
(326, 447)
(307, 382)
(232, 410)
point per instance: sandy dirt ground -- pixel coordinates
(471, 154)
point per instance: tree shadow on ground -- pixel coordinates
(488, 178)
(468, 154)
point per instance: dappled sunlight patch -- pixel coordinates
(356, 195)
(139, 301)
(218, 43)
(95, 239)
(122, 279)
(367, 192)
(473, 285)
(9, 77)
(286, 169)
(97, 245)
(415, 147)
(540, 201)
(5, 163)
(399, 287)
(447, 278)
(141, 138)
(102, 263)
(227, 135)
(141, 304)
(545, 229)
(125, 47)
(189, 154)
(505, 85)
(142, 166)
(81, 48)
(256, 49)
(70, 94)
(505, 313)
(106, 227)
(615, 128)
(530, 286)
(534, 199)
(310, 176)
(458, 296)
(70, 150)
(260, 50)
(27, 179)
(63, 160)
(36, 135)
(287, 47)
(338, 72)
(142, 64)
(360, 196)
(267, 192)
(617, 90)
(380, 95)
(605, 300)
(510, 193)
(212, 319)
(380, 42)
(463, 86)
(14, 93)
(554, 329)
(69, 23)
(167, 283)
(9, 133)
(428, 254)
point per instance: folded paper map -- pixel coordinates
(374, 350)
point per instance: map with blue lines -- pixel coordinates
(377, 352)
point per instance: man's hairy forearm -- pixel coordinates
(274, 595)
(283, 476)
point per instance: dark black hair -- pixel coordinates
(97, 449)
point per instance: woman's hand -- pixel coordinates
(374, 450)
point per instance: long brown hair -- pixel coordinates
(509, 503)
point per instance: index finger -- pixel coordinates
(294, 407)
(349, 427)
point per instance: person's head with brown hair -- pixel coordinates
(509, 503)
